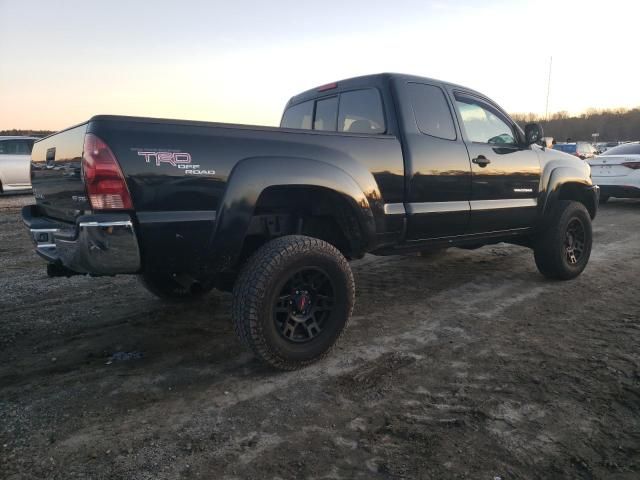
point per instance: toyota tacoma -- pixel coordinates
(384, 164)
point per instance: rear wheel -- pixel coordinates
(166, 287)
(293, 300)
(563, 248)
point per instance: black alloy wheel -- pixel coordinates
(563, 246)
(304, 305)
(574, 241)
(292, 301)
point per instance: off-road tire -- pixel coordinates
(550, 250)
(258, 289)
(163, 286)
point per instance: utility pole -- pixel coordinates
(546, 110)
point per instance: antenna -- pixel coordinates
(546, 109)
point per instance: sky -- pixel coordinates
(62, 62)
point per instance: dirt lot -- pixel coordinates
(464, 365)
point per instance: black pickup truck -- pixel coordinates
(383, 164)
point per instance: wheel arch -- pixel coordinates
(566, 183)
(284, 184)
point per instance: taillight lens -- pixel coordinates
(103, 178)
(632, 165)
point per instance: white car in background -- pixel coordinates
(617, 172)
(15, 163)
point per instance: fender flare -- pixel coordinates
(555, 180)
(251, 176)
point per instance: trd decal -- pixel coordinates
(166, 157)
(180, 160)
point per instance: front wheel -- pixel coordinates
(292, 301)
(563, 248)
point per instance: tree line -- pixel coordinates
(619, 124)
(612, 125)
(28, 133)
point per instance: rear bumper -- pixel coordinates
(100, 244)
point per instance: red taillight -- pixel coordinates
(103, 178)
(632, 165)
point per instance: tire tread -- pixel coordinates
(251, 287)
(548, 256)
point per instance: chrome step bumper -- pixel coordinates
(100, 244)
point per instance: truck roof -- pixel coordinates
(377, 79)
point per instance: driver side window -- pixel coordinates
(483, 123)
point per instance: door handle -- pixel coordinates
(481, 160)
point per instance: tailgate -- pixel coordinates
(56, 175)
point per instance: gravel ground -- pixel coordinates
(463, 365)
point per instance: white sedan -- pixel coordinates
(15, 163)
(617, 172)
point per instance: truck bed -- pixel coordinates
(177, 172)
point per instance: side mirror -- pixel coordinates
(532, 133)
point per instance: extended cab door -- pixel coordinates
(437, 168)
(505, 173)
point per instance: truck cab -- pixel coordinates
(468, 169)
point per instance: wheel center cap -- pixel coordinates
(301, 301)
(569, 239)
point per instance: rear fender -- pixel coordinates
(252, 176)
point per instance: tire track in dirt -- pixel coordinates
(449, 354)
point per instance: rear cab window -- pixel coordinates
(298, 116)
(431, 111)
(353, 111)
(326, 114)
(361, 112)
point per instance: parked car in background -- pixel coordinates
(604, 146)
(15, 163)
(617, 172)
(581, 150)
